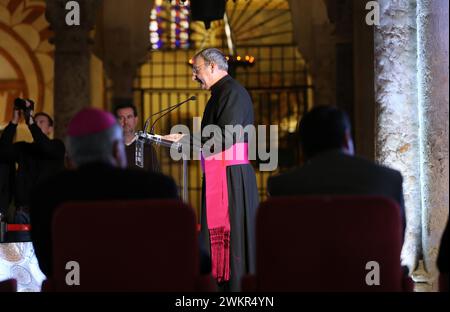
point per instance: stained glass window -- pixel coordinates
(169, 25)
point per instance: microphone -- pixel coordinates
(166, 111)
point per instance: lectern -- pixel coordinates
(148, 138)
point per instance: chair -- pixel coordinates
(144, 245)
(9, 285)
(443, 282)
(18, 233)
(327, 244)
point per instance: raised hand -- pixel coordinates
(16, 116)
(29, 113)
(175, 137)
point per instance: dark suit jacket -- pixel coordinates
(36, 161)
(334, 172)
(90, 182)
(6, 173)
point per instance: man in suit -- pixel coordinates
(331, 167)
(96, 149)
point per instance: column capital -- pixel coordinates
(71, 38)
(122, 41)
(56, 14)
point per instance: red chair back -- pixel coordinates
(328, 244)
(9, 285)
(145, 245)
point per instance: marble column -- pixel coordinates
(396, 109)
(72, 59)
(433, 97)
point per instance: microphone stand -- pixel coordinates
(157, 113)
(165, 111)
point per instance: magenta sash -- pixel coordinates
(217, 212)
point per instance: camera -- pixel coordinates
(20, 104)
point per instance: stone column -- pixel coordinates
(397, 116)
(314, 36)
(72, 60)
(433, 73)
(122, 43)
(364, 100)
(341, 15)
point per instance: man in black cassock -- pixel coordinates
(227, 225)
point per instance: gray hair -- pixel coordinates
(97, 147)
(213, 55)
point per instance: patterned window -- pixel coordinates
(169, 25)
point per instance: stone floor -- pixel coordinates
(423, 287)
(421, 280)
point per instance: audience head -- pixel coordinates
(209, 66)
(325, 128)
(44, 122)
(126, 115)
(93, 136)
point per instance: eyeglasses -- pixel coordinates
(196, 69)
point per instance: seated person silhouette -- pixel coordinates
(96, 150)
(331, 167)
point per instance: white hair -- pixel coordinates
(97, 147)
(213, 55)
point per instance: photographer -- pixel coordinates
(35, 161)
